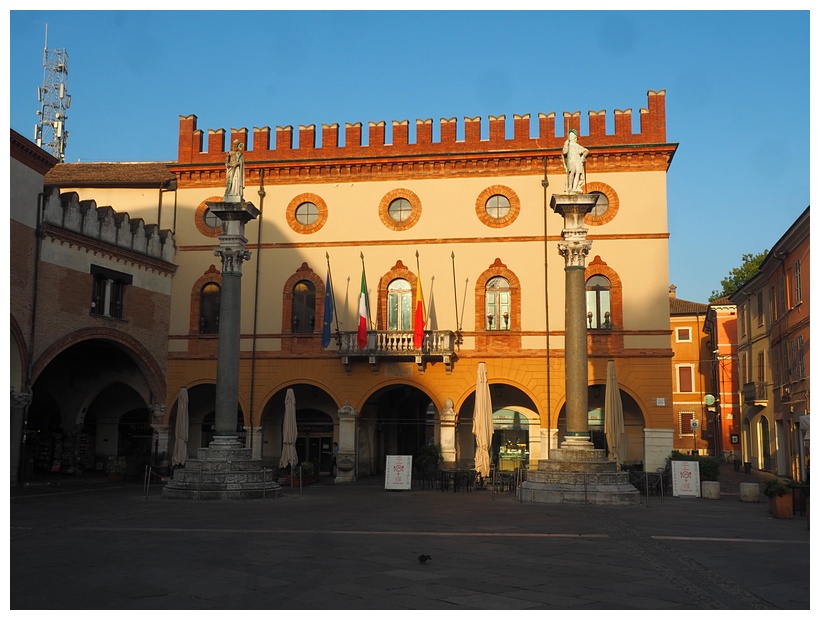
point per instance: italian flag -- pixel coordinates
(362, 336)
(420, 320)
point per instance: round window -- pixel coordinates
(601, 206)
(497, 206)
(400, 210)
(307, 213)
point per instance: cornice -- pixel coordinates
(638, 158)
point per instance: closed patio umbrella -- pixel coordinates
(482, 422)
(614, 416)
(289, 432)
(180, 454)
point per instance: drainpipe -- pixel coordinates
(545, 183)
(256, 302)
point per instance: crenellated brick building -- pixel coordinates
(90, 308)
(461, 213)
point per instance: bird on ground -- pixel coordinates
(423, 558)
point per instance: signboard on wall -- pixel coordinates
(685, 478)
(398, 472)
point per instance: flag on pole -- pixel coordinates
(362, 336)
(420, 319)
(328, 311)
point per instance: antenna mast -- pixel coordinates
(50, 133)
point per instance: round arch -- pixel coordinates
(148, 366)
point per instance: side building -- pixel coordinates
(370, 223)
(90, 308)
(694, 431)
(723, 404)
(773, 356)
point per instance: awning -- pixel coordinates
(804, 425)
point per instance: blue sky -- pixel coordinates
(737, 91)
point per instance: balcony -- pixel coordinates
(756, 394)
(398, 346)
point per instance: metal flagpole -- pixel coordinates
(333, 298)
(455, 297)
(366, 294)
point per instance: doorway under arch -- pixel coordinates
(634, 424)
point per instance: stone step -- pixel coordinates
(591, 467)
(200, 477)
(576, 455)
(212, 453)
(232, 465)
(578, 478)
(599, 494)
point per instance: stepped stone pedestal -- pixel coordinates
(223, 470)
(578, 476)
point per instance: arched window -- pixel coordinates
(209, 300)
(399, 305)
(303, 316)
(497, 304)
(599, 303)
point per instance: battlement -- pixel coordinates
(259, 148)
(84, 217)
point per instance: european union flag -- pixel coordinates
(328, 311)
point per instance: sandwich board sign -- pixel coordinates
(685, 478)
(398, 472)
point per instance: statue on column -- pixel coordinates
(235, 177)
(574, 157)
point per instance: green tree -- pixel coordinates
(739, 275)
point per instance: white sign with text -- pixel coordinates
(398, 472)
(686, 478)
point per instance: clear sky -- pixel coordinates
(737, 91)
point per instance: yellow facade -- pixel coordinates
(458, 251)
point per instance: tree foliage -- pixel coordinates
(740, 275)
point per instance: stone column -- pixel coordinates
(19, 402)
(574, 248)
(346, 460)
(163, 448)
(254, 442)
(448, 435)
(232, 250)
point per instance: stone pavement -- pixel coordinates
(88, 544)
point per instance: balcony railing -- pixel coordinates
(397, 345)
(756, 394)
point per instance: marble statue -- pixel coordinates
(574, 157)
(235, 177)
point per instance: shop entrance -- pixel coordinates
(314, 440)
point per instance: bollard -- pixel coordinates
(749, 492)
(710, 489)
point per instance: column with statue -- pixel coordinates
(226, 469)
(576, 472)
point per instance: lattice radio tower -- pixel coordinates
(50, 133)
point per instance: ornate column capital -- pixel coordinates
(19, 399)
(574, 252)
(232, 258)
(157, 411)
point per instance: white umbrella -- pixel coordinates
(289, 432)
(614, 416)
(482, 422)
(180, 454)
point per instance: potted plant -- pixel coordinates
(116, 470)
(780, 499)
(302, 474)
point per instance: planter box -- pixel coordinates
(781, 506)
(710, 489)
(295, 483)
